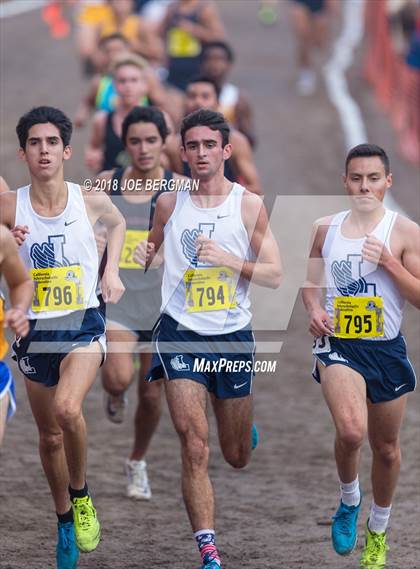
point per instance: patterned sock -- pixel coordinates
(206, 544)
(378, 518)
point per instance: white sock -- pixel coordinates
(350, 493)
(378, 518)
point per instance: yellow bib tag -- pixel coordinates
(182, 44)
(209, 289)
(132, 239)
(58, 288)
(358, 317)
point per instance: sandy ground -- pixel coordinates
(276, 512)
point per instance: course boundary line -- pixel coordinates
(337, 85)
(16, 7)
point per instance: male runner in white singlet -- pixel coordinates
(216, 239)
(370, 257)
(52, 222)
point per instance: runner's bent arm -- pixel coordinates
(100, 208)
(266, 270)
(146, 252)
(320, 323)
(404, 273)
(19, 283)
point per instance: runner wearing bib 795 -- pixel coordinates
(370, 257)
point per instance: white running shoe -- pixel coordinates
(137, 481)
(306, 82)
(115, 406)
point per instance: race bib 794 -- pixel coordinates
(209, 289)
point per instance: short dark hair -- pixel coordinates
(230, 55)
(147, 115)
(42, 115)
(367, 150)
(205, 79)
(111, 37)
(206, 117)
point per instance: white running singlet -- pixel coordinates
(348, 275)
(61, 255)
(203, 298)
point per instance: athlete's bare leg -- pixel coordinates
(384, 427)
(234, 424)
(187, 405)
(51, 447)
(77, 374)
(118, 370)
(148, 412)
(345, 393)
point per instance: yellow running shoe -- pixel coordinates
(374, 552)
(87, 530)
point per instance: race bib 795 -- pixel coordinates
(358, 317)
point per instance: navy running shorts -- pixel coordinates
(224, 363)
(384, 364)
(41, 352)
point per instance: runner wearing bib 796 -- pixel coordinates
(52, 221)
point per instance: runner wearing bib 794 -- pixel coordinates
(211, 238)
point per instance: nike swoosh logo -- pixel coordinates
(399, 387)
(240, 385)
(222, 216)
(67, 223)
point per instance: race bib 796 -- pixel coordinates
(58, 288)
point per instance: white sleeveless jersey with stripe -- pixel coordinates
(347, 274)
(204, 307)
(60, 253)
